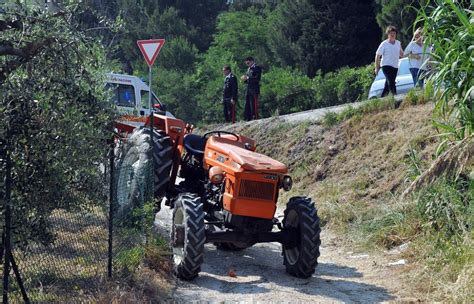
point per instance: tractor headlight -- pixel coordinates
(287, 183)
(216, 175)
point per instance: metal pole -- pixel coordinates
(18, 279)
(151, 131)
(151, 108)
(7, 245)
(111, 209)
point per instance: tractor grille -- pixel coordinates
(256, 190)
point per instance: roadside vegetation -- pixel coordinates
(391, 176)
(357, 168)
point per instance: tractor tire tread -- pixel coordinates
(195, 239)
(162, 162)
(310, 231)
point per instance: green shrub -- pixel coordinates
(330, 119)
(345, 85)
(448, 207)
(286, 90)
(353, 84)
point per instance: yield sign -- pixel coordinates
(150, 49)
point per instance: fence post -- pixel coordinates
(111, 206)
(7, 239)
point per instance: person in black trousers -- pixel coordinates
(388, 53)
(230, 94)
(252, 78)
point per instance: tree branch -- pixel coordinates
(7, 49)
(27, 51)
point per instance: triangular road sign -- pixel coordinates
(150, 49)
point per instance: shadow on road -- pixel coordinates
(260, 270)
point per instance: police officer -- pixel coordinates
(230, 94)
(252, 78)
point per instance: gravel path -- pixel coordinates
(341, 276)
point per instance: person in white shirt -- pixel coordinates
(388, 54)
(418, 55)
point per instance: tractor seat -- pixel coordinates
(195, 144)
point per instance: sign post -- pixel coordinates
(150, 50)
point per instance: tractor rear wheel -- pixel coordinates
(135, 171)
(163, 161)
(301, 257)
(133, 174)
(188, 236)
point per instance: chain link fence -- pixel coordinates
(87, 244)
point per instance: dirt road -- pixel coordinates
(341, 276)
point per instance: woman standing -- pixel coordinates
(417, 57)
(389, 51)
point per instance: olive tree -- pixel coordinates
(54, 116)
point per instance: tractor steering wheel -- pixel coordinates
(237, 138)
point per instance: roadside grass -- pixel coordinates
(437, 224)
(74, 267)
(368, 107)
(372, 106)
(142, 270)
(145, 275)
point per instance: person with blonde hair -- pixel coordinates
(418, 55)
(387, 57)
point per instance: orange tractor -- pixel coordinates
(227, 194)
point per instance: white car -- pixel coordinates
(404, 80)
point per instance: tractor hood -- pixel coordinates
(254, 161)
(247, 159)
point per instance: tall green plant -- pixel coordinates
(449, 29)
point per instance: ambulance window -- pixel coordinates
(123, 94)
(126, 95)
(145, 99)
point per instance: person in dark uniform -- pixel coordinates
(230, 94)
(252, 78)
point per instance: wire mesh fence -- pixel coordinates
(133, 193)
(70, 268)
(87, 244)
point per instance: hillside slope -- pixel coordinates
(364, 160)
(355, 171)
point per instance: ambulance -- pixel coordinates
(131, 96)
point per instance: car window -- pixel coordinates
(145, 95)
(404, 68)
(123, 94)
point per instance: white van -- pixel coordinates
(131, 95)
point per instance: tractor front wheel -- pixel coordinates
(188, 236)
(301, 257)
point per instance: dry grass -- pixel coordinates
(361, 161)
(74, 267)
